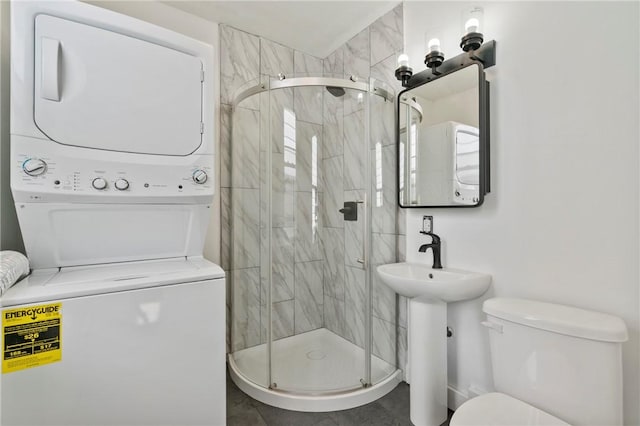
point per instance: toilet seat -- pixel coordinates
(498, 409)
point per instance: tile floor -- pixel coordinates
(390, 410)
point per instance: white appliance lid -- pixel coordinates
(497, 409)
(559, 319)
(79, 281)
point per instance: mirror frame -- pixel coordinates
(483, 58)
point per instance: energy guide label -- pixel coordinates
(31, 336)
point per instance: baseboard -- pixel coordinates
(455, 397)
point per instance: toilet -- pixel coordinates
(552, 365)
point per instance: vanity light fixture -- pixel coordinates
(472, 38)
(435, 57)
(404, 71)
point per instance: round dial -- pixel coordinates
(200, 176)
(34, 166)
(99, 183)
(122, 184)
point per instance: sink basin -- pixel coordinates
(447, 285)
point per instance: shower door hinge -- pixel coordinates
(364, 383)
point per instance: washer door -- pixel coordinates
(96, 88)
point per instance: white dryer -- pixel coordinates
(112, 144)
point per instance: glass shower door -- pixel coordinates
(317, 310)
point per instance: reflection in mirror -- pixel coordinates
(439, 142)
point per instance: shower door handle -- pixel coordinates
(350, 210)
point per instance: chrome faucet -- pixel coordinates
(435, 247)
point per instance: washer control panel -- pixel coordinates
(43, 178)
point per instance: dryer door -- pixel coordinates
(99, 89)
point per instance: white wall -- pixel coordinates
(561, 223)
(150, 11)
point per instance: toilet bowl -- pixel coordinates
(552, 365)
(498, 409)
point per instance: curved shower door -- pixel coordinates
(305, 200)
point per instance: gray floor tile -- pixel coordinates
(390, 410)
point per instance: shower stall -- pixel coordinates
(310, 159)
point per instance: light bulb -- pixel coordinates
(472, 25)
(403, 60)
(434, 45)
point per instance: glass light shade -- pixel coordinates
(433, 45)
(403, 60)
(473, 20)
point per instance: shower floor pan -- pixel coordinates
(314, 371)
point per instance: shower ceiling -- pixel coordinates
(314, 27)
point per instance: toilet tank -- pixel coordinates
(563, 360)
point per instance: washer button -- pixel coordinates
(99, 183)
(122, 184)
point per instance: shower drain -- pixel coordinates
(316, 355)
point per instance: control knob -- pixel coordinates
(99, 183)
(199, 176)
(121, 184)
(34, 166)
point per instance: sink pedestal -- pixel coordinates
(428, 362)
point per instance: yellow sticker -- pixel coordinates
(31, 336)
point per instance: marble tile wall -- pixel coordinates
(316, 142)
(371, 53)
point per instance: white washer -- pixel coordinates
(112, 140)
(142, 343)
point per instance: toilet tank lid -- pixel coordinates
(558, 319)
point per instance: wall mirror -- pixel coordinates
(442, 135)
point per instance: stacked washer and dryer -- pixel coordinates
(112, 141)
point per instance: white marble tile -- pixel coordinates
(334, 315)
(384, 340)
(308, 246)
(308, 104)
(282, 190)
(334, 64)
(306, 65)
(384, 249)
(246, 227)
(401, 248)
(386, 35)
(332, 183)
(384, 204)
(354, 100)
(354, 232)
(402, 350)
(333, 134)
(245, 149)
(225, 228)
(402, 311)
(275, 59)
(356, 56)
(384, 299)
(384, 71)
(282, 319)
(239, 61)
(278, 121)
(308, 154)
(354, 151)
(246, 308)
(225, 146)
(309, 296)
(334, 270)
(382, 122)
(282, 269)
(355, 305)
(402, 221)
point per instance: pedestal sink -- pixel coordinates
(429, 291)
